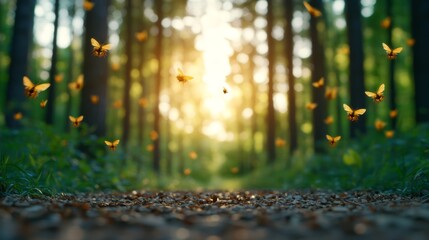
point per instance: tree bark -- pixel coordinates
(356, 86)
(392, 86)
(22, 37)
(270, 118)
(420, 21)
(128, 67)
(95, 69)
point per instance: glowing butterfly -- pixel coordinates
(187, 171)
(328, 120)
(225, 91)
(379, 125)
(319, 83)
(78, 84)
(58, 78)
(331, 93)
(391, 54)
(32, 90)
(385, 23)
(87, 5)
(193, 155)
(389, 133)
(17, 116)
(112, 145)
(153, 135)
(311, 106)
(141, 36)
(76, 120)
(411, 42)
(143, 102)
(43, 103)
(117, 104)
(353, 115)
(182, 77)
(235, 170)
(393, 113)
(378, 97)
(100, 50)
(333, 140)
(280, 142)
(313, 11)
(150, 148)
(95, 99)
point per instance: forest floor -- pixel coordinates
(216, 215)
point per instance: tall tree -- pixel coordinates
(318, 66)
(95, 69)
(128, 67)
(158, 79)
(420, 21)
(288, 42)
(50, 109)
(71, 59)
(392, 86)
(270, 118)
(143, 97)
(22, 37)
(356, 76)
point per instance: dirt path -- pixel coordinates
(215, 215)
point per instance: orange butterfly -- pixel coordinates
(313, 11)
(225, 91)
(353, 115)
(17, 116)
(331, 93)
(379, 125)
(389, 133)
(378, 97)
(141, 36)
(100, 50)
(333, 140)
(311, 106)
(43, 103)
(112, 145)
(328, 120)
(391, 54)
(76, 120)
(182, 77)
(393, 113)
(78, 84)
(319, 83)
(32, 90)
(280, 142)
(58, 78)
(385, 23)
(87, 5)
(95, 99)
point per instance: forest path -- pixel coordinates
(216, 215)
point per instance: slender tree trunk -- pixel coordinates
(157, 117)
(71, 67)
(356, 85)
(128, 67)
(95, 69)
(293, 134)
(392, 86)
(141, 109)
(270, 119)
(254, 125)
(318, 94)
(50, 108)
(22, 37)
(420, 21)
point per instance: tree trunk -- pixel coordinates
(158, 79)
(22, 37)
(392, 86)
(270, 119)
(95, 68)
(71, 67)
(356, 85)
(293, 134)
(141, 109)
(318, 94)
(50, 108)
(128, 67)
(420, 21)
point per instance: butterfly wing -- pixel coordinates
(387, 48)
(73, 119)
(347, 108)
(80, 118)
(109, 144)
(180, 72)
(380, 89)
(116, 142)
(27, 82)
(337, 138)
(95, 43)
(360, 111)
(329, 137)
(105, 47)
(397, 50)
(370, 94)
(42, 87)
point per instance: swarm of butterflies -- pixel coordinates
(353, 114)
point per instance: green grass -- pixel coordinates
(41, 162)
